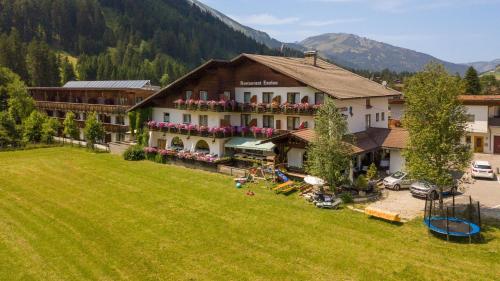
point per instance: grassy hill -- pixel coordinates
(67, 214)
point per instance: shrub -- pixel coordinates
(361, 183)
(134, 153)
(346, 197)
(159, 158)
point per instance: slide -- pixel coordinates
(281, 176)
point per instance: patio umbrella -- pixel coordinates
(314, 181)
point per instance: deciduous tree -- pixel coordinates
(93, 131)
(329, 154)
(70, 127)
(33, 127)
(49, 130)
(436, 122)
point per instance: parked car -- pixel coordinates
(482, 169)
(398, 180)
(424, 188)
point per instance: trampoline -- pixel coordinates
(462, 219)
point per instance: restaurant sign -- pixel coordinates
(259, 83)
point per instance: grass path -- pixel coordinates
(67, 214)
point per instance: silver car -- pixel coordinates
(424, 188)
(397, 181)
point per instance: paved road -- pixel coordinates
(487, 192)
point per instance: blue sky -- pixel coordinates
(453, 30)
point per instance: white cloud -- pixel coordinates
(319, 23)
(265, 19)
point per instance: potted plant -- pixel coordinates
(179, 103)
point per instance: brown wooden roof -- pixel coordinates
(466, 99)
(326, 77)
(371, 139)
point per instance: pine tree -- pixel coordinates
(42, 64)
(329, 155)
(67, 71)
(472, 84)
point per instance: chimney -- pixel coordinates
(311, 57)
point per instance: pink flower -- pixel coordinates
(269, 132)
(179, 101)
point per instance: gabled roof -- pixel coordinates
(371, 139)
(326, 77)
(114, 84)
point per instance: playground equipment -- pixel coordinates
(461, 219)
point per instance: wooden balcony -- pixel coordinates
(262, 108)
(84, 107)
(108, 127)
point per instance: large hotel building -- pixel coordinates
(232, 107)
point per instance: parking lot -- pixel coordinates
(487, 192)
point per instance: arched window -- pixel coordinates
(177, 143)
(202, 146)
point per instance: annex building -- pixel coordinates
(109, 99)
(229, 108)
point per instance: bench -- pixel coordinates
(383, 214)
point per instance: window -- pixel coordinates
(267, 97)
(382, 116)
(268, 121)
(246, 97)
(203, 121)
(377, 117)
(120, 120)
(203, 95)
(120, 137)
(226, 121)
(319, 98)
(368, 104)
(166, 117)
(468, 140)
(292, 123)
(245, 120)
(138, 100)
(186, 118)
(471, 118)
(189, 94)
(368, 121)
(227, 95)
(293, 98)
(122, 100)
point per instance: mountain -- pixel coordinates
(362, 53)
(122, 39)
(484, 66)
(257, 35)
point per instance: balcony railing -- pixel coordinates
(214, 132)
(108, 127)
(233, 106)
(85, 107)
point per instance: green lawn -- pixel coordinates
(67, 214)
